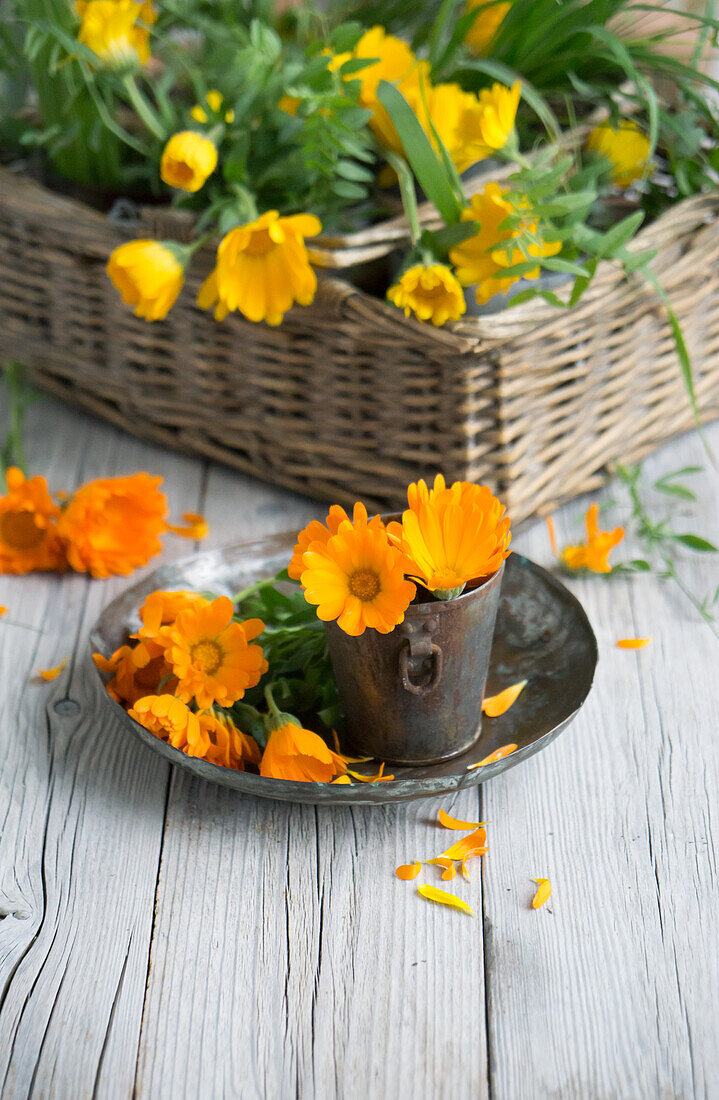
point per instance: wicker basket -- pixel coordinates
(349, 399)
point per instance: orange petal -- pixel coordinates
(544, 890)
(342, 779)
(196, 526)
(52, 673)
(450, 822)
(379, 778)
(450, 869)
(408, 870)
(633, 643)
(2, 609)
(493, 757)
(469, 843)
(433, 893)
(552, 535)
(494, 705)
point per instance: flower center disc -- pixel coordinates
(364, 584)
(207, 655)
(19, 531)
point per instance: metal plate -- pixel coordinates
(542, 636)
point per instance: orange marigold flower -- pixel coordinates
(451, 536)
(113, 525)
(357, 578)
(211, 655)
(296, 753)
(161, 608)
(228, 746)
(318, 532)
(594, 553)
(171, 720)
(484, 29)
(28, 535)
(136, 671)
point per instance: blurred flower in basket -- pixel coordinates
(149, 275)
(482, 258)
(486, 23)
(188, 160)
(116, 30)
(214, 103)
(28, 535)
(486, 126)
(624, 146)
(263, 269)
(429, 291)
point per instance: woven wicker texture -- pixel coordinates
(349, 399)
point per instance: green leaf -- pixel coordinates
(620, 234)
(426, 165)
(441, 240)
(674, 490)
(555, 263)
(695, 542)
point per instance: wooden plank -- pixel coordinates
(83, 819)
(288, 959)
(613, 988)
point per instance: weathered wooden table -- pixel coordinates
(164, 938)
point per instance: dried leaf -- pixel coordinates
(494, 705)
(450, 822)
(52, 673)
(633, 643)
(543, 892)
(493, 757)
(469, 843)
(450, 869)
(442, 897)
(408, 870)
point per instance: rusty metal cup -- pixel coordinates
(415, 696)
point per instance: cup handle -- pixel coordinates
(404, 671)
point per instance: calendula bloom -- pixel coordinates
(322, 532)
(485, 126)
(296, 753)
(112, 526)
(431, 292)
(28, 534)
(211, 655)
(451, 536)
(161, 608)
(357, 578)
(594, 553)
(136, 671)
(486, 23)
(171, 720)
(188, 160)
(228, 746)
(481, 259)
(624, 146)
(263, 269)
(215, 102)
(389, 58)
(113, 30)
(149, 276)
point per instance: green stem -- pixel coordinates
(269, 582)
(143, 108)
(409, 197)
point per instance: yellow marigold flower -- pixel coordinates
(481, 259)
(357, 578)
(211, 655)
(624, 146)
(110, 29)
(149, 276)
(289, 104)
(486, 24)
(299, 754)
(188, 160)
(228, 746)
(449, 537)
(389, 58)
(214, 101)
(430, 292)
(263, 269)
(171, 720)
(486, 125)
(318, 532)
(112, 526)
(594, 553)
(28, 533)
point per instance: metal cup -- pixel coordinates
(414, 696)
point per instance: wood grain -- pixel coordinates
(160, 937)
